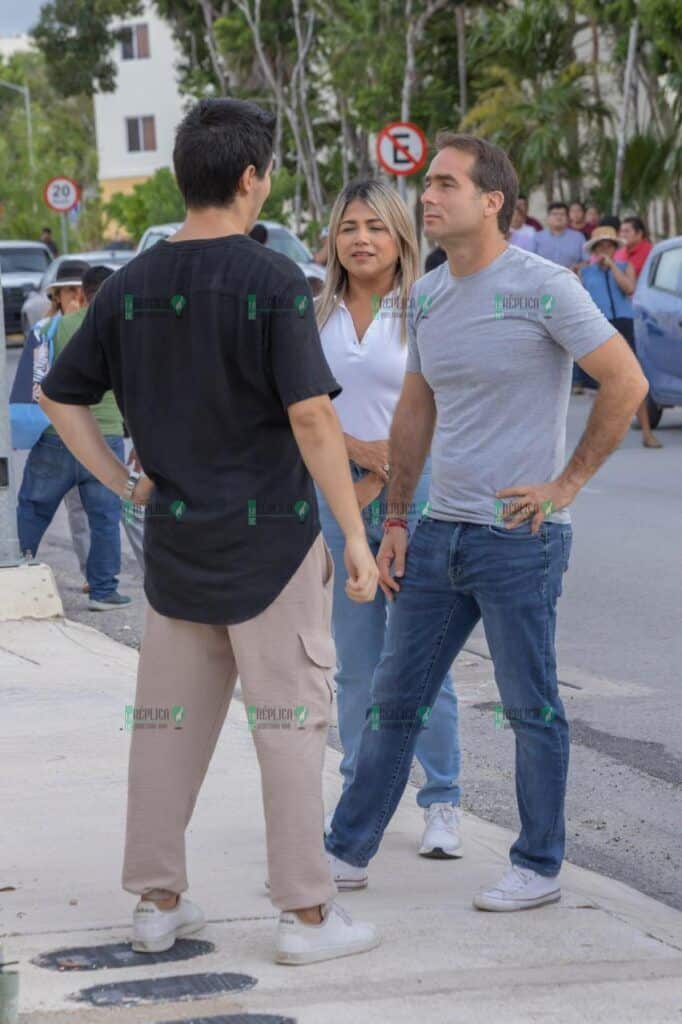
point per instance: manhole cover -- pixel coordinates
(156, 990)
(236, 1018)
(118, 954)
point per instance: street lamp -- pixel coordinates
(26, 93)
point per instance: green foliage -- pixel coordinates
(155, 201)
(76, 39)
(63, 142)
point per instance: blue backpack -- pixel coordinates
(27, 419)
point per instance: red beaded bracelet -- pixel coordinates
(395, 521)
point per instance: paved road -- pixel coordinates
(620, 659)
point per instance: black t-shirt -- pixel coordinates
(205, 344)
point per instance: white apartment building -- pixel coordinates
(135, 124)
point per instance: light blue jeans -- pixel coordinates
(359, 632)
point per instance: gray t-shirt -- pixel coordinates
(497, 349)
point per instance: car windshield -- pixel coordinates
(281, 241)
(18, 261)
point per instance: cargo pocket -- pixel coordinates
(320, 650)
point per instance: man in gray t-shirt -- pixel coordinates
(493, 333)
(496, 349)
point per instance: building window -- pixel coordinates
(134, 42)
(141, 132)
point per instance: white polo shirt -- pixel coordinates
(370, 372)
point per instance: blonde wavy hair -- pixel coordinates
(392, 210)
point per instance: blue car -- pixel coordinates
(658, 326)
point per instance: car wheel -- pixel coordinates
(655, 411)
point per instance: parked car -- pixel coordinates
(280, 238)
(22, 264)
(37, 303)
(658, 326)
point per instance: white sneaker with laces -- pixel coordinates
(346, 876)
(337, 935)
(520, 889)
(155, 930)
(441, 839)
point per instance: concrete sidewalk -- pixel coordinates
(605, 953)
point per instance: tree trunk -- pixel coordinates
(460, 24)
(216, 63)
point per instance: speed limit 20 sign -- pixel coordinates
(61, 194)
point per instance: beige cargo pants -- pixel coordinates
(285, 660)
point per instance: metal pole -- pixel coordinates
(65, 233)
(9, 543)
(627, 89)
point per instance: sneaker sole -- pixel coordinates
(165, 942)
(439, 853)
(333, 953)
(100, 606)
(481, 902)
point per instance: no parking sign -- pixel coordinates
(401, 148)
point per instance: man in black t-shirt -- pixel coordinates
(209, 343)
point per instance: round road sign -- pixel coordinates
(401, 148)
(61, 194)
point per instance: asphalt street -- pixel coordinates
(620, 664)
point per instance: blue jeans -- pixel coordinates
(457, 573)
(359, 633)
(50, 472)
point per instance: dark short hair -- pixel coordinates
(637, 223)
(92, 279)
(577, 202)
(522, 195)
(557, 206)
(46, 231)
(492, 171)
(215, 143)
(610, 220)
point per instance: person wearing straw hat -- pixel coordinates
(610, 283)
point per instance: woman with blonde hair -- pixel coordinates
(373, 261)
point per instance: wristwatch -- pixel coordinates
(130, 487)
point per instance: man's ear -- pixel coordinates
(245, 183)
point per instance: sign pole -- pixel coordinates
(65, 233)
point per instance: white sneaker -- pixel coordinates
(155, 930)
(520, 889)
(337, 935)
(346, 876)
(441, 838)
(328, 822)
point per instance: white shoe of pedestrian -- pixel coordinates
(441, 839)
(155, 930)
(337, 935)
(346, 876)
(328, 822)
(520, 889)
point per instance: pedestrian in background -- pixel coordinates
(521, 234)
(576, 217)
(527, 219)
(611, 283)
(637, 246)
(51, 471)
(558, 242)
(362, 315)
(47, 239)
